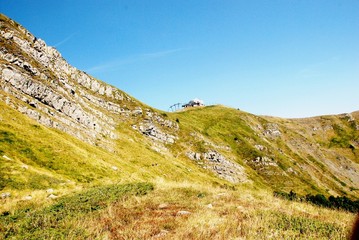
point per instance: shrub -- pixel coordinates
(343, 203)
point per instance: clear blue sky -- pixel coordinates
(288, 58)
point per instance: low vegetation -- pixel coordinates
(173, 210)
(57, 220)
(149, 174)
(342, 203)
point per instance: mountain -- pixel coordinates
(62, 129)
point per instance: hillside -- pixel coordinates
(65, 135)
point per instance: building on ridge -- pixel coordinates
(194, 103)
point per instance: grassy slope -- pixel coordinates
(96, 201)
(131, 211)
(35, 158)
(73, 168)
(54, 159)
(293, 150)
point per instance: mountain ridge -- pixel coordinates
(320, 153)
(80, 159)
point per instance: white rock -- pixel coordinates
(8, 35)
(27, 198)
(5, 195)
(182, 213)
(25, 167)
(163, 206)
(52, 196)
(210, 206)
(6, 157)
(50, 190)
(114, 168)
(161, 234)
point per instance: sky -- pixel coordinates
(286, 58)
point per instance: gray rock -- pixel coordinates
(194, 156)
(163, 206)
(272, 130)
(52, 196)
(50, 190)
(183, 213)
(214, 156)
(5, 195)
(27, 198)
(137, 111)
(155, 133)
(7, 35)
(161, 234)
(259, 147)
(264, 161)
(6, 157)
(218, 164)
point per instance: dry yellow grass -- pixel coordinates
(215, 213)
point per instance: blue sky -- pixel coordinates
(288, 58)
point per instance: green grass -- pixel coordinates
(97, 202)
(130, 211)
(54, 158)
(229, 127)
(55, 221)
(299, 227)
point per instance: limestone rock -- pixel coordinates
(5, 195)
(50, 190)
(260, 147)
(264, 161)
(6, 157)
(209, 206)
(161, 234)
(194, 156)
(155, 133)
(218, 164)
(27, 198)
(163, 206)
(183, 213)
(52, 196)
(272, 130)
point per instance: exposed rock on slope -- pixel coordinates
(318, 154)
(58, 95)
(218, 164)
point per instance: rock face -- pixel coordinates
(218, 164)
(36, 81)
(152, 131)
(264, 161)
(46, 88)
(272, 130)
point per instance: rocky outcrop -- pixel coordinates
(263, 162)
(58, 95)
(150, 130)
(272, 130)
(49, 90)
(218, 164)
